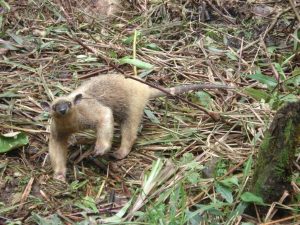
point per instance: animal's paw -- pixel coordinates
(101, 149)
(98, 152)
(120, 154)
(60, 176)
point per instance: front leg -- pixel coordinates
(104, 127)
(58, 149)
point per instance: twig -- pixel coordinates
(93, 73)
(281, 220)
(269, 60)
(26, 193)
(240, 56)
(197, 197)
(272, 210)
(68, 18)
(269, 28)
(134, 51)
(94, 51)
(229, 19)
(295, 11)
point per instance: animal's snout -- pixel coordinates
(62, 109)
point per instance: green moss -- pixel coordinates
(273, 171)
(266, 142)
(288, 130)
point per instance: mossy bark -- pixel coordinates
(273, 171)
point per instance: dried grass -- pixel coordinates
(41, 60)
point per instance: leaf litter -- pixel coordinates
(49, 47)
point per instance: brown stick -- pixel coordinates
(229, 19)
(277, 77)
(281, 220)
(295, 11)
(270, 27)
(26, 193)
(92, 50)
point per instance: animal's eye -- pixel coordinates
(69, 104)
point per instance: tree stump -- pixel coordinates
(273, 171)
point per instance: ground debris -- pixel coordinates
(47, 48)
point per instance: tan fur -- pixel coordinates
(88, 114)
(104, 98)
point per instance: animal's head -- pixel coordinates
(62, 106)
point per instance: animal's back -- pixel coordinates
(121, 94)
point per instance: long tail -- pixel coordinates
(185, 88)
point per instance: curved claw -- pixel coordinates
(100, 150)
(120, 154)
(60, 176)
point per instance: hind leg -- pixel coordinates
(129, 129)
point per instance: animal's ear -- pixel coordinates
(77, 99)
(46, 106)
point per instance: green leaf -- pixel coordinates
(87, 202)
(296, 71)
(47, 45)
(9, 94)
(152, 46)
(18, 65)
(288, 60)
(204, 99)
(248, 166)
(194, 219)
(113, 54)
(257, 94)
(225, 192)
(75, 185)
(215, 50)
(250, 197)
(136, 62)
(60, 29)
(279, 69)
(151, 116)
(296, 42)
(129, 40)
(18, 39)
(1, 21)
(8, 45)
(52, 220)
(186, 158)
(117, 218)
(239, 210)
(269, 81)
(193, 177)
(230, 55)
(271, 49)
(12, 140)
(229, 182)
(295, 78)
(5, 5)
(86, 58)
(145, 73)
(288, 98)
